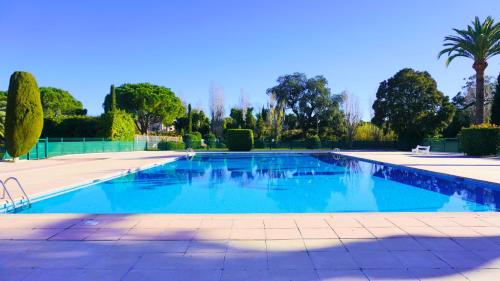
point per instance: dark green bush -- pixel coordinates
(210, 140)
(118, 125)
(170, 145)
(239, 139)
(24, 114)
(480, 140)
(73, 127)
(192, 140)
(260, 143)
(312, 142)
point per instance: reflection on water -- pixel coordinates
(256, 183)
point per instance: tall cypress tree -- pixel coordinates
(113, 98)
(24, 114)
(495, 106)
(190, 118)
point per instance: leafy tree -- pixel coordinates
(24, 114)
(369, 132)
(147, 103)
(469, 93)
(57, 103)
(462, 118)
(238, 119)
(495, 105)
(3, 106)
(290, 121)
(250, 121)
(479, 42)
(261, 128)
(464, 103)
(410, 104)
(309, 99)
(201, 123)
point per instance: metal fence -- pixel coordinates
(153, 141)
(443, 145)
(50, 147)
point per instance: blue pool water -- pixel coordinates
(274, 183)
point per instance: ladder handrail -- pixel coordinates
(6, 191)
(20, 187)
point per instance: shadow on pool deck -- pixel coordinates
(65, 250)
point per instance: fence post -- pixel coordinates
(46, 147)
(62, 150)
(84, 146)
(37, 143)
(102, 141)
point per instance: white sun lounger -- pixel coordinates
(421, 149)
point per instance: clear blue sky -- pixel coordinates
(84, 46)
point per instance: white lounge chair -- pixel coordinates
(420, 149)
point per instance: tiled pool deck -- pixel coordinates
(352, 246)
(369, 246)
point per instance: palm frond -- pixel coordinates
(478, 41)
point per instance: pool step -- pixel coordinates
(25, 200)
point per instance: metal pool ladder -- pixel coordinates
(25, 200)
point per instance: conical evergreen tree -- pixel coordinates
(113, 98)
(190, 118)
(24, 114)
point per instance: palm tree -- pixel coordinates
(478, 42)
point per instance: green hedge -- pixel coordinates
(210, 140)
(480, 140)
(313, 142)
(73, 127)
(192, 140)
(170, 145)
(239, 139)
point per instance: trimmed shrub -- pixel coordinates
(73, 127)
(312, 142)
(118, 125)
(24, 114)
(239, 139)
(170, 145)
(210, 140)
(480, 140)
(192, 140)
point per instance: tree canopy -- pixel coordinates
(200, 122)
(147, 103)
(410, 104)
(310, 100)
(57, 103)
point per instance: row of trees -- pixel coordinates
(408, 104)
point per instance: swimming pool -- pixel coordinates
(274, 183)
